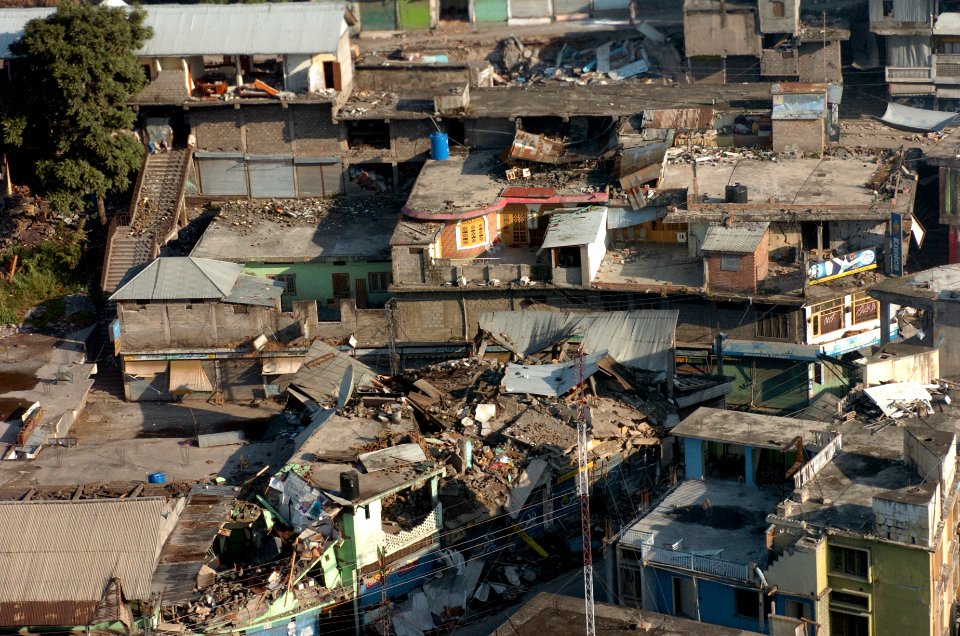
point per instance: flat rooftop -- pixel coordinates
(928, 285)
(711, 516)
(568, 99)
(333, 231)
(798, 181)
(467, 186)
(869, 465)
(650, 265)
(559, 615)
(748, 429)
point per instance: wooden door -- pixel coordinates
(361, 296)
(341, 285)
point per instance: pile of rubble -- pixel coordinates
(26, 220)
(647, 53)
(246, 215)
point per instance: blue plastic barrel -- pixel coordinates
(157, 478)
(439, 146)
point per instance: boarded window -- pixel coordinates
(341, 285)
(379, 281)
(730, 263)
(472, 232)
(777, 7)
(773, 325)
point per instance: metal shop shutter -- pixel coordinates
(378, 15)
(530, 9)
(317, 177)
(607, 6)
(221, 173)
(490, 10)
(565, 7)
(271, 177)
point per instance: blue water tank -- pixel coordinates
(157, 478)
(439, 146)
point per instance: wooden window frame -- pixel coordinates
(472, 232)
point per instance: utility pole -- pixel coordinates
(583, 490)
(386, 620)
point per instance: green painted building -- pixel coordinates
(345, 254)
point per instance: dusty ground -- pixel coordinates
(127, 441)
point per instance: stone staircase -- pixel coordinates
(154, 218)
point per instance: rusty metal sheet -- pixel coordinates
(679, 118)
(39, 613)
(641, 166)
(539, 148)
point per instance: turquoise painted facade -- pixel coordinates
(315, 281)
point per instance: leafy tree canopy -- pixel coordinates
(74, 73)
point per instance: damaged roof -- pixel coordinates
(190, 278)
(742, 238)
(641, 339)
(936, 283)
(579, 227)
(59, 556)
(321, 375)
(749, 429)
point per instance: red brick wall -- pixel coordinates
(753, 269)
(805, 135)
(448, 240)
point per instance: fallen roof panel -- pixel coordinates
(549, 379)
(916, 119)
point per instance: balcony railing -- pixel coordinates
(908, 74)
(685, 560)
(429, 526)
(946, 68)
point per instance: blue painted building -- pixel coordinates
(704, 552)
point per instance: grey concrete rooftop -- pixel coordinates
(711, 515)
(458, 186)
(870, 465)
(926, 286)
(653, 265)
(340, 234)
(800, 181)
(564, 615)
(748, 429)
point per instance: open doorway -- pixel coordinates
(456, 10)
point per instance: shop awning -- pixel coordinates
(188, 375)
(142, 368)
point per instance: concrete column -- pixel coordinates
(748, 467)
(884, 322)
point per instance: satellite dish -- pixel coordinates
(346, 387)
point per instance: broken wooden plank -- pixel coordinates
(133, 493)
(428, 388)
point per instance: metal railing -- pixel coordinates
(946, 67)
(684, 560)
(909, 74)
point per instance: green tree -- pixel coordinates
(74, 73)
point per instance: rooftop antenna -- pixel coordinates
(583, 490)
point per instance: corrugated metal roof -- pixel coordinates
(322, 372)
(741, 238)
(548, 379)
(191, 278)
(679, 118)
(637, 339)
(207, 509)
(12, 23)
(575, 228)
(60, 555)
(214, 29)
(244, 29)
(623, 217)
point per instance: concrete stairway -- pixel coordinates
(153, 218)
